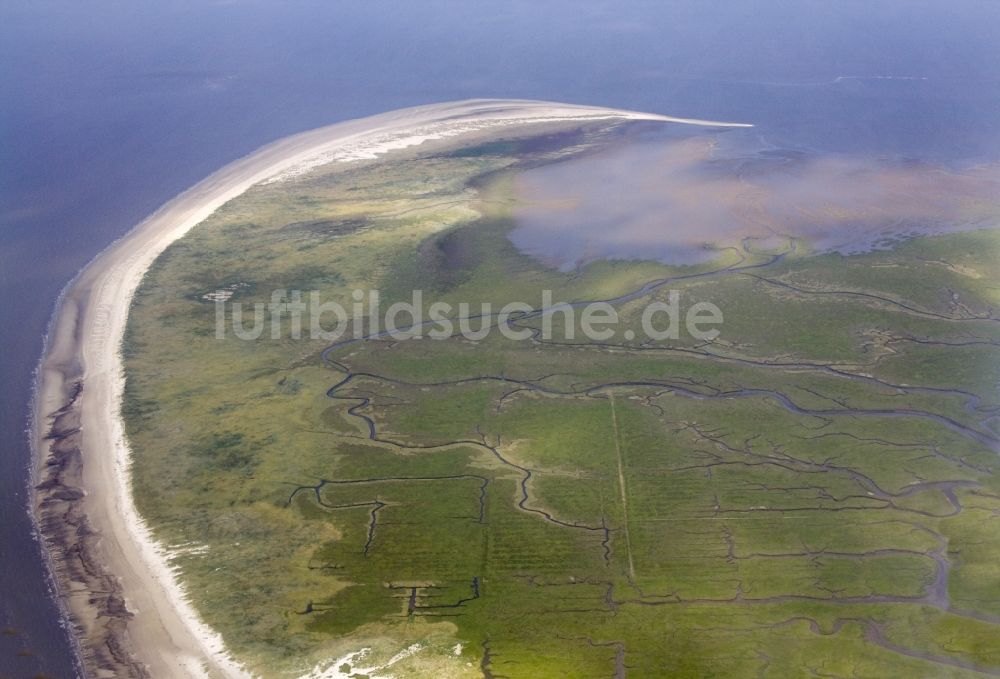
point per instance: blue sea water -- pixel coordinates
(111, 107)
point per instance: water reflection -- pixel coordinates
(680, 200)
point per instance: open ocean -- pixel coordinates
(110, 108)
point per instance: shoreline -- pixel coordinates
(129, 614)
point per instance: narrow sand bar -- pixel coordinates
(131, 614)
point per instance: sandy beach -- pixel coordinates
(131, 614)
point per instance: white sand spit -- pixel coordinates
(166, 632)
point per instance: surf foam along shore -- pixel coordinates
(127, 607)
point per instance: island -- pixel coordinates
(523, 389)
